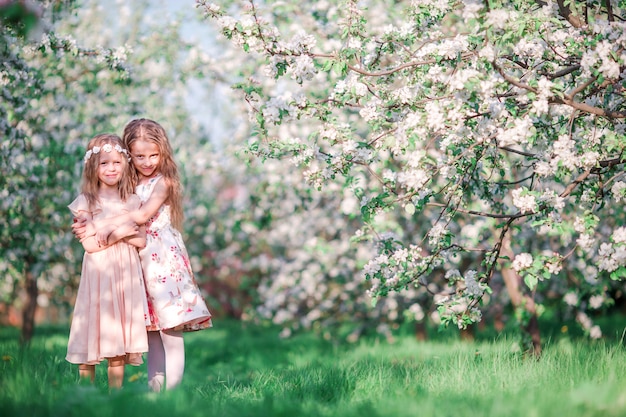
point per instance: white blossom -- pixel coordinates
(472, 286)
(526, 203)
(618, 190)
(619, 235)
(437, 232)
(413, 179)
(227, 22)
(579, 224)
(554, 267)
(595, 332)
(596, 301)
(584, 320)
(543, 168)
(522, 261)
(304, 69)
(571, 298)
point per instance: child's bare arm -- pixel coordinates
(79, 228)
(159, 196)
(89, 243)
(140, 216)
(83, 229)
(125, 232)
(138, 239)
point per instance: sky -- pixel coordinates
(199, 32)
(195, 30)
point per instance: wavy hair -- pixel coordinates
(91, 183)
(150, 131)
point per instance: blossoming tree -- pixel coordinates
(59, 92)
(447, 150)
(483, 139)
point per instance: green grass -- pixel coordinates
(243, 370)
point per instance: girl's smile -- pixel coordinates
(110, 169)
(146, 158)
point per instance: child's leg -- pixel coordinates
(87, 371)
(116, 371)
(156, 362)
(174, 347)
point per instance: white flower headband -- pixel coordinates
(107, 147)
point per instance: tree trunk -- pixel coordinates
(532, 328)
(421, 332)
(28, 314)
(513, 283)
(468, 334)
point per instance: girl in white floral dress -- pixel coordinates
(174, 299)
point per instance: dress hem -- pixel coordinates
(131, 358)
(189, 326)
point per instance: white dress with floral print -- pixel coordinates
(174, 299)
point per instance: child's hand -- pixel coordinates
(79, 227)
(127, 229)
(124, 231)
(102, 235)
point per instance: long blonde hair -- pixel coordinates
(91, 183)
(151, 131)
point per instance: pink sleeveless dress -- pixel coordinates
(111, 311)
(174, 299)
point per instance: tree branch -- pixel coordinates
(484, 214)
(609, 11)
(508, 149)
(566, 100)
(568, 190)
(567, 13)
(589, 109)
(580, 88)
(563, 72)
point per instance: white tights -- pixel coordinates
(166, 359)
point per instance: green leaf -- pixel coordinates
(619, 274)
(531, 281)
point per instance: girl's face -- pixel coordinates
(110, 169)
(146, 158)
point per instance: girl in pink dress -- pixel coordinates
(110, 312)
(174, 299)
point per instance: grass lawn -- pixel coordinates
(240, 370)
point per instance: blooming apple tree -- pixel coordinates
(481, 139)
(245, 224)
(44, 86)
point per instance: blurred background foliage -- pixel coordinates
(264, 245)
